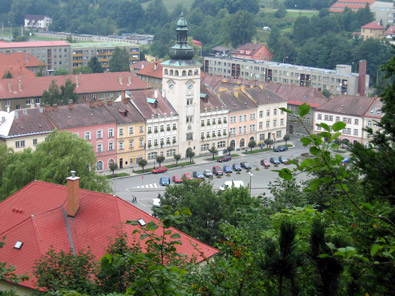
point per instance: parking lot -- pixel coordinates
(147, 187)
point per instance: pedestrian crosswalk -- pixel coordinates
(152, 185)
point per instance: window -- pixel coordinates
(326, 117)
(252, 127)
(149, 129)
(121, 145)
(87, 135)
(281, 121)
(174, 126)
(189, 119)
(221, 144)
(110, 132)
(35, 142)
(261, 137)
(99, 148)
(162, 128)
(189, 136)
(208, 122)
(152, 155)
(268, 123)
(110, 146)
(337, 118)
(131, 130)
(130, 144)
(319, 116)
(369, 123)
(99, 165)
(189, 101)
(232, 131)
(252, 116)
(274, 123)
(20, 144)
(233, 119)
(213, 121)
(245, 128)
(205, 147)
(240, 118)
(99, 134)
(356, 121)
(245, 117)
(121, 131)
(155, 129)
(260, 114)
(355, 132)
(278, 134)
(330, 118)
(240, 129)
(261, 125)
(93, 96)
(170, 152)
(274, 111)
(267, 112)
(141, 129)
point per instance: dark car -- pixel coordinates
(207, 173)
(236, 167)
(164, 181)
(227, 169)
(245, 165)
(177, 179)
(274, 160)
(217, 171)
(160, 169)
(280, 148)
(283, 159)
(265, 163)
(198, 175)
(225, 158)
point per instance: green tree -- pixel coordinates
(95, 65)
(52, 95)
(281, 12)
(177, 157)
(190, 154)
(60, 72)
(142, 163)
(268, 142)
(251, 144)
(67, 92)
(286, 138)
(213, 151)
(326, 93)
(160, 159)
(119, 61)
(238, 28)
(113, 166)
(82, 70)
(230, 148)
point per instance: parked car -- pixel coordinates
(227, 169)
(230, 184)
(187, 176)
(217, 171)
(164, 181)
(274, 160)
(177, 179)
(207, 173)
(283, 159)
(236, 167)
(225, 158)
(245, 165)
(160, 169)
(265, 163)
(280, 148)
(198, 175)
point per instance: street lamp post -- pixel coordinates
(251, 174)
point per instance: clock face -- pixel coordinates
(171, 84)
(190, 85)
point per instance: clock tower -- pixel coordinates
(181, 85)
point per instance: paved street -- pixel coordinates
(146, 187)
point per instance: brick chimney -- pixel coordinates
(123, 96)
(109, 102)
(92, 103)
(319, 92)
(362, 77)
(99, 102)
(55, 107)
(48, 108)
(73, 194)
(70, 105)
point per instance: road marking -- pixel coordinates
(152, 185)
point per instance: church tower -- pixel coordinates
(181, 86)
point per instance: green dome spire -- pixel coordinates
(182, 50)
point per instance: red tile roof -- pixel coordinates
(352, 4)
(30, 122)
(35, 216)
(373, 26)
(211, 101)
(350, 105)
(140, 65)
(374, 110)
(152, 70)
(4, 45)
(252, 47)
(87, 83)
(390, 30)
(19, 59)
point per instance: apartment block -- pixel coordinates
(339, 81)
(82, 52)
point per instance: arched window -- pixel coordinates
(99, 165)
(109, 162)
(196, 72)
(242, 142)
(233, 143)
(166, 71)
(184, 73)
(252, 139)
(190, 73)
(176, 72)
(171, 72)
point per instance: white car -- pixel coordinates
(230, 184)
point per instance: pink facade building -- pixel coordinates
(91, 122)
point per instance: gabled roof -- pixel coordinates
(348, 105)
(374, 110)
(140, 65)
(152, 70)
(86, 83)
(264, 96)
(373, 26)
(163, 107)
(251, 47)
(124, 113)
(236, 100)
(25, 122)
(19, 59)
(210, 100)
(390, 30)
(34, 17)
(35, 216)
(79, 115)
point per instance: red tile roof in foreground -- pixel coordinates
(86, 83)
(35, 216)
(4, 45)
(373, 26)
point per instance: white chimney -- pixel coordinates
(156, 94)
(76, 81)
(9, 87)
(130, 78)
(120, 78)
(20, 85)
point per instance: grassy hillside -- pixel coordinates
(171, 4)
